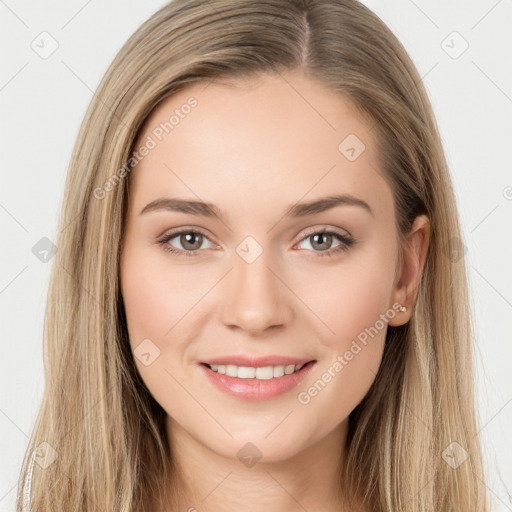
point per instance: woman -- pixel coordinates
(256, 302)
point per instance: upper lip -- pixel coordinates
(257, 362)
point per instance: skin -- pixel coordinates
(254, 149)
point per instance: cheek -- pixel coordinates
(145, 300)
(154, 304)
(354, 304)
(150, 301)
(352, 295)
(161, 303)
(156, 298)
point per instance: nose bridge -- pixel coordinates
(255, 298)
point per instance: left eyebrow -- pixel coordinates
(203, 209)
(326, 203)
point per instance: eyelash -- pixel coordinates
(346, 243)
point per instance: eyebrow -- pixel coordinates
(202, 209)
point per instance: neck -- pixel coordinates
(207, 481)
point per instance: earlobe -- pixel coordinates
(414, 254)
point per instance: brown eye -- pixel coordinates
(321, 241)
(191, 240)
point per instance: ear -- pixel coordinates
(413, 253)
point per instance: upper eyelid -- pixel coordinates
(172, 234)
(326, 229)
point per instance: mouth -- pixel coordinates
(256, 383)
(256, 373)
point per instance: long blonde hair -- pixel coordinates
(99, 432)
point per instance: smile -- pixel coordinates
(250, 372)
(255, 383)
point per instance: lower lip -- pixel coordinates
(256, 389)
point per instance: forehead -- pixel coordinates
(270, 141)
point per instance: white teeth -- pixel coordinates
(278, 371)
(289, 369)
(245, 372)
(231, 370)
(248, 372)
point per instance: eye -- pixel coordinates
(190, 240)
(323, 239)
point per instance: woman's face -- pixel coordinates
(258, 279)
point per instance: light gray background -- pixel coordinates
(43, 101)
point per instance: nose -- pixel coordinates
(255, 297)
